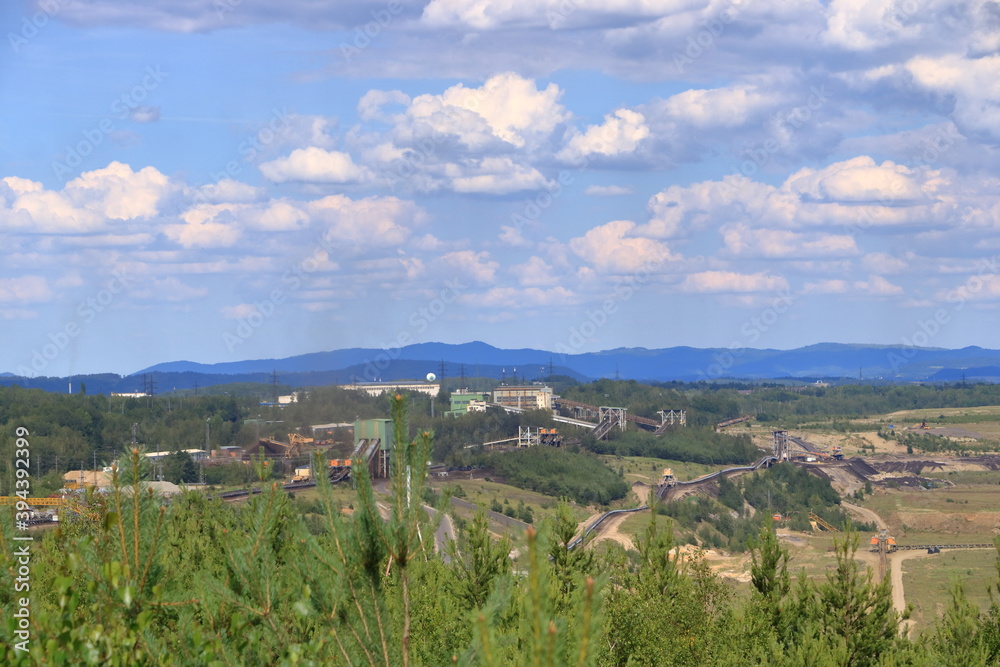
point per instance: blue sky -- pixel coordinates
(232, 179)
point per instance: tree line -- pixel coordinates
(197, 582)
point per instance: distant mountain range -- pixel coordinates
(885, 363)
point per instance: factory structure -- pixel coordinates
(533, 397)
(379, 388)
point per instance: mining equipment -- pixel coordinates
(668, 478)
(296, 439)
(883, 544)
(825, 525)
(837, 453)
(301, 475)
(550, 437)
(890, 542)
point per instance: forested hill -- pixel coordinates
(838, 362)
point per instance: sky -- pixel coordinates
(217, 180)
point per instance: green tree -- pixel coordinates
(480, 563)
(769, 574)
(959, 637)
(855, 609)
(567, 563)
(179, 468)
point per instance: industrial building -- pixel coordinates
(328, 430)
(379, 388)
(371, 430)
(535, 397)
(464, 401)
(79, 479)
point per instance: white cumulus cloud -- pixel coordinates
(314, 165)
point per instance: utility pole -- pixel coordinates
(201, 461)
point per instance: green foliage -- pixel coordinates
(664, 612)
(853, 609)
(559, 472)
(179, 468)
(727, 522)
(136, 581)
(479, 565)
(688, 444)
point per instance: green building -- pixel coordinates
(463, 402)
(366, 429)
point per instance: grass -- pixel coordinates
(636, 524)
(927, 581)
(343, 492)
(956, 499)
(650, 470)
(481, 492)
(972, 477)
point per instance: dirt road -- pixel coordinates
(898, 596)
(609, 531)
(895, 562)
(868, 515)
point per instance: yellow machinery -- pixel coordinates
(294, 439)
(70, 504)
(34, 502)
(668, 477)
(822, 523)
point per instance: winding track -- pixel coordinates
(762, 462)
